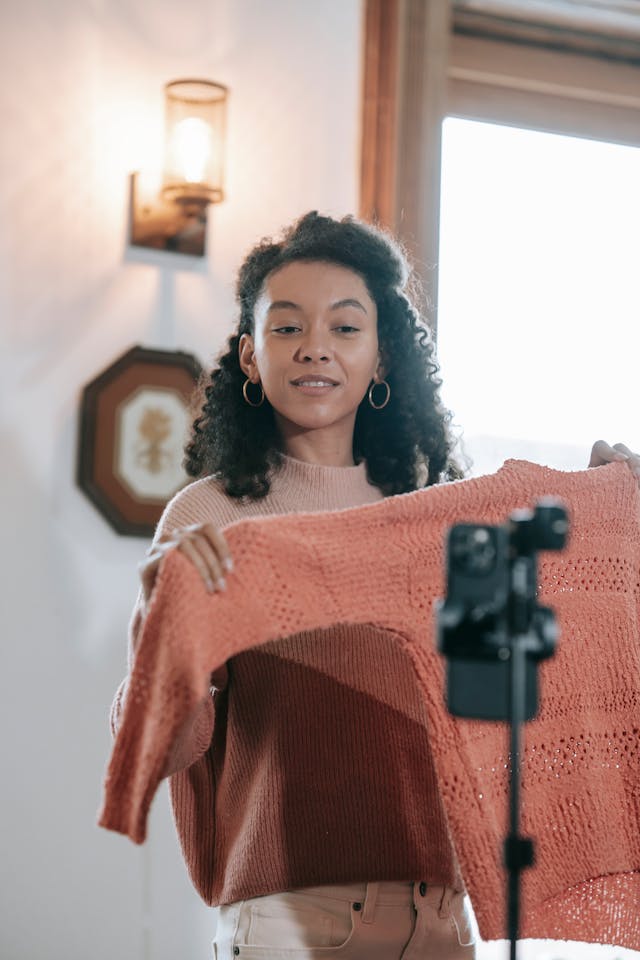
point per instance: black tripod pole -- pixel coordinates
(518, 850)
(490, 616)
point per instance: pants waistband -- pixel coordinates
(384, 891)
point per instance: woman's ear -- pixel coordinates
(246, 357)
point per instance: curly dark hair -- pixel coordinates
(406, 445)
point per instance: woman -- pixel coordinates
(309, 817)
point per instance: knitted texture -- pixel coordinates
(382, 564)
(288, 776)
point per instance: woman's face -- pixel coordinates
(315, 345)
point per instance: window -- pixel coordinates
(539, 304)
(538, 300)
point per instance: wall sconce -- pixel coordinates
(175, 217)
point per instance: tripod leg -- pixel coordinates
(518, 851)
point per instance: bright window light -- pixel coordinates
(539, 317)
(539, 293)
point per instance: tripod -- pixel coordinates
(493, 633)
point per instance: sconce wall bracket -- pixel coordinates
(159, 223)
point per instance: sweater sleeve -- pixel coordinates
(195, 736)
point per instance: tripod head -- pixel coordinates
(491, 597)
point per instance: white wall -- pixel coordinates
(81, 106)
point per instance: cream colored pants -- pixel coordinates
(355, 921)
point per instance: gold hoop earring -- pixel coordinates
(244, 392)
(379, 383)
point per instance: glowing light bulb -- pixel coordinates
(191, 149)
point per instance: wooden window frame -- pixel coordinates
(546, 89)
(422, 63)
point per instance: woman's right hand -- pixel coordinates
(202, 543)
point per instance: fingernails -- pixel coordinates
(621, 456)
(220, 584)
(228, 564)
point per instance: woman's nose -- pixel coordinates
(314, 349)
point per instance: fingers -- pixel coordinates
(602, 453)
(213, 548)
(203, 544)
(208, 550)
(148, 571)
(621, 448)
(633, 459)
(206, 565)
(216, 538)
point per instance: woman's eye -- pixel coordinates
(343, 328)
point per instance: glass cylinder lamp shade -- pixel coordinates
(195, 117)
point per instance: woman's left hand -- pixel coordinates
(602, 453)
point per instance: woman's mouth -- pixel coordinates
(313, 387)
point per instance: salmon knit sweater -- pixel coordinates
(290, 710)
(382, 565)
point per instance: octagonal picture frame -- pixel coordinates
(134, 422)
